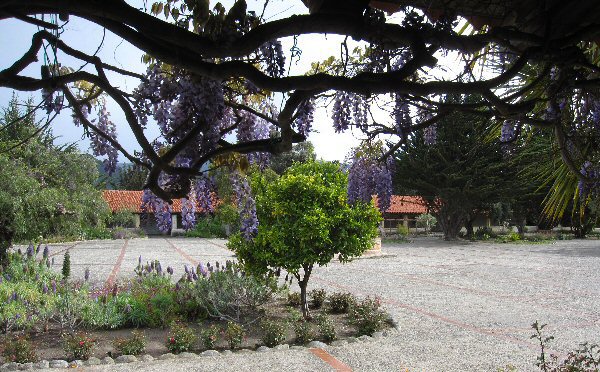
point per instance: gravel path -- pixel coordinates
(459, 306)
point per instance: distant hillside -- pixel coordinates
(109, 182)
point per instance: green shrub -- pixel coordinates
(367, 316)
(207, 227)
(426, 221)
(78, 345)
(26, 293)
(484, 233)
(303, 331)
(294, 299)
(224, 222)
(110, 313)
(153, 302)
(18, 350)
(509, 238)
(66, 266)
(340, 303)
(95, 232)
(402, 231)
(122, 218)
(163, 308)
(326, 328)
(180, 339)
(234, 334)
(273, 332)
(209, 336)
(318, 297)
(134, 345)
(124, 233)
(230, 293)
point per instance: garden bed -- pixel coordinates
(173, 314)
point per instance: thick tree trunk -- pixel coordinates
(469, 227)
(6, 236)
(451, 220)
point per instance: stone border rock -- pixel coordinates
(92, 361)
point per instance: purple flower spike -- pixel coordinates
(202, 270)
(46, 251)
(30, 250)
(187, 271)
(86, 275)
(45, 289)
(54, 286)
(37, 250)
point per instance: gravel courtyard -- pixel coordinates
(459, 306)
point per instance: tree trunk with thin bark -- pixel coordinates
(303, 293)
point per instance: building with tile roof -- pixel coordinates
(131, 200)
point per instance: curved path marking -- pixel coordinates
(113, 274)
(330, 359)
(423, 312)
(191, 259)
(63, 250)
(592, 318)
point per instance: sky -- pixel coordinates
(15, 38)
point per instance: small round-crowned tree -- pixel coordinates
(305, 220)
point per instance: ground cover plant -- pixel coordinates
(211, 306)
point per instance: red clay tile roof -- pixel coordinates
(119, 200)
(406, 204)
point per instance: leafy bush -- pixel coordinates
(305, 221)
(585, 358)
(153, 303)
(111, 313)
(402, 231)
(318, 297)
(340, 303)
(209, 336)
(273, 332)
(221, 225)
(180, 339)
(294, 299)
(426, 221)
(367, 316)
(78, 345)
(509, 238)
(207, 227)
(123, 218)
(26, 292)
(95, 232)
(484, 233)
(234, 334)
(229, 293)
(326, 328)
(303, 332)
(18, 350)
(134, 345)
(125, 233)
